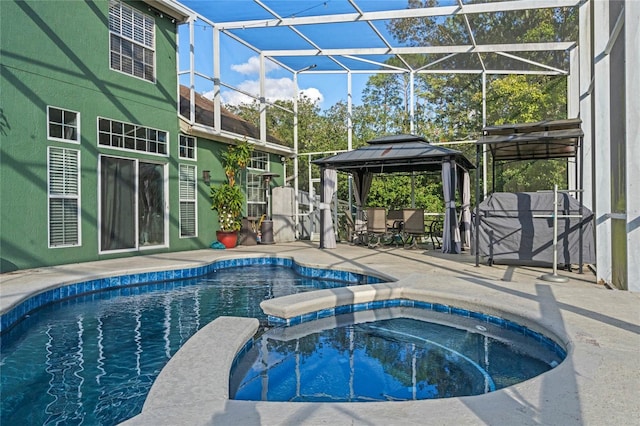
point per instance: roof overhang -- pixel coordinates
(207, 132)
(172, 8)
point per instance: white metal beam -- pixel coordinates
(573, 111)
(483, 48)
(378, 64)
(585, 32)
(503, 6)
(534, 63)
(263, 101)
(217, 113)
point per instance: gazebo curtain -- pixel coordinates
(450, 230)
(327, 231)
(361, 186)
(465, 190)
(454, 177)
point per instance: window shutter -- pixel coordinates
(63, 229)
(187, 219)
(187, 200)
(64, 191)
(114, 17)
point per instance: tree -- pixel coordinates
(452, 103)
(387, 98)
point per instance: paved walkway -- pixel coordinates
(598, 383)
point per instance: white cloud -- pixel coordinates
(313, 94)
(275, 89)
(252, 66)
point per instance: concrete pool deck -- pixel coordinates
(598, 383)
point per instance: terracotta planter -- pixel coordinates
(228, 238)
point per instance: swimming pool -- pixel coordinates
(390, 354)
(92, 359)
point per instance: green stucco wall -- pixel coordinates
(56, 53)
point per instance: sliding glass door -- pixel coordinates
(132, 204)
(151, 204)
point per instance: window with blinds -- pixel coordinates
(132, 41)
(188, 223)
(64, 197)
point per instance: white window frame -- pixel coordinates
(165, 187)
(63, 124)
(139, 35)
(258, 159)
(186, 196)
(112, 136)
(186, 148)
(65, 193)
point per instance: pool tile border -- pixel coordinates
(65, 291)
(436, 307)
(129, 281)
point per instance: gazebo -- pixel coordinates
(398, 154)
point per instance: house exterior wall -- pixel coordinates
(56, 54)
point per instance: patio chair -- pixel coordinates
(413, 226)
(356, 232)
(376, 225)
(349, 226)
(394, 226)
(435, 232)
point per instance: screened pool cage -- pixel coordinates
(296, 40)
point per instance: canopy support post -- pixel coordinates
(476, 220)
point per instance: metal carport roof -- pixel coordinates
(533, 141)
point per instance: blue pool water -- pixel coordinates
(92, 359)
(391, 354)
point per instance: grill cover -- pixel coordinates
(510, 231)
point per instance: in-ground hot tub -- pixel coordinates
(397, 353)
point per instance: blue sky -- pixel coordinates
(240, 65)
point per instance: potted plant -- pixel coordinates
(227, 198)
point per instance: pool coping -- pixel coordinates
(205, 382)
(15, 305)
(300, 307)
(167, 402)
(598, 383)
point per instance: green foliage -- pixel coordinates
(235, 159)
(452, 104)
(519, 98)
(394, 192)
(227, 198)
